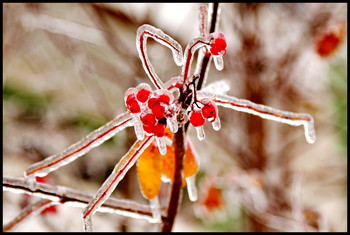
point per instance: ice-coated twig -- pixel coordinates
(191, 48)
(203, 20)
(294, 119)
(121, 168)
(145, 31)
(83, 146)
(29, 211)
(71, 197)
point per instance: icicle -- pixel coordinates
(310, 132)
(216, 124)
(200, 132)
(140, 133)
(191, 188)
(172, 123)
(161, 142)
(87, 224)
(219, 62)
(155, 208)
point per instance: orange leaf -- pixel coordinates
(169, 163)
(149, 170)
(191, 160)
(191, 163)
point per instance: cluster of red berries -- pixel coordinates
(153, 107)
(208, 110)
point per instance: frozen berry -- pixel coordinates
(164, 98)
(159, 130)
(142, 95)
(148, 129)
(159, 111)
(196, 118)
(217, 43)
(152, 102)
(210, 111)
(132, 104)
(149, 119)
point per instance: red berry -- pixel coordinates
(196, 118)
(134, 108)
(159, 111)
(218, 45)
(210, 110)
(164, 99)
(142, 95)
(149, 119)
(130, 99)
(148, 129)
(152, 102)
(159, 130)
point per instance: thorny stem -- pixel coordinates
(179, 136)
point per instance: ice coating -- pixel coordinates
(140, 133)
(83, 146)
(191, 188)
(161, 143)
(122, 167)
(156, 212)
(145, 31)
(219, 62)
(294, 119)
(200, 132)
(29, 211)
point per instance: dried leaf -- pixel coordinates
(149, 170)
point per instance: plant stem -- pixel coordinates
(179, 137)
(174, 201)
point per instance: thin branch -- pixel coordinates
(74, 198)
(30, 210)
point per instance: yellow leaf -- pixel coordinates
(149, 170)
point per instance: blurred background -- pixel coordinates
(65, 70)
